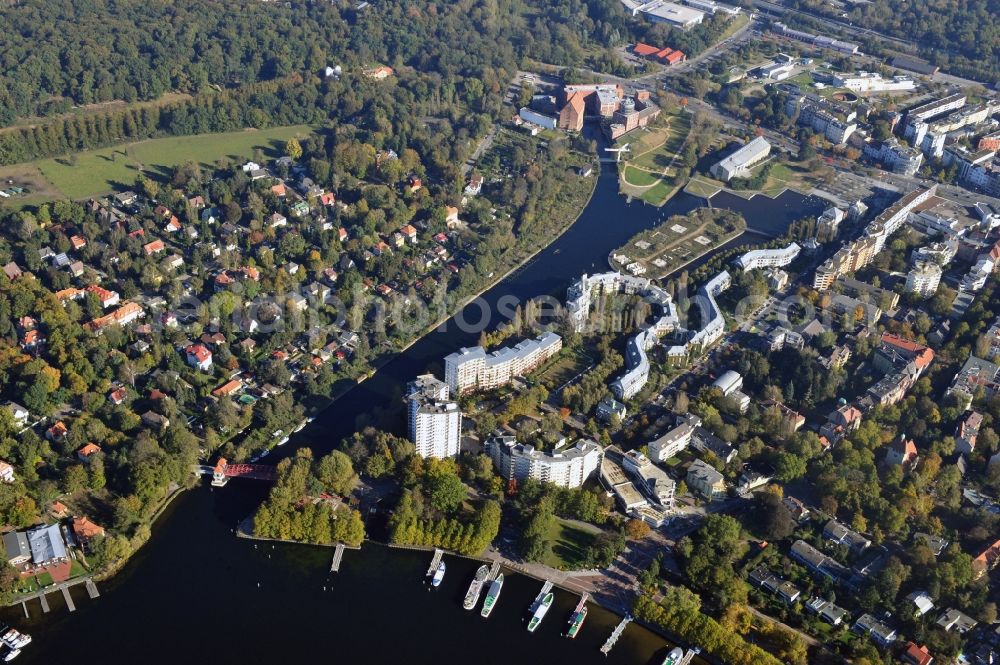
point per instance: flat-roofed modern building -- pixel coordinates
(822, 41)
(659, 11)
(565, 466)
(712, 7)
(738, 164)
(651, 479)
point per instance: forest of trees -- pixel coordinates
(679, 614)
(536, 506)
(301, 505)
(71, 53)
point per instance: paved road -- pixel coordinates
(484, 145)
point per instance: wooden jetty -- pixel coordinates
(68, 598)
(613, 638)
(45, 603)
(92, 589)
(494, 571)
(691, 653)
(338, 555)
(541, 595)
(436, 561)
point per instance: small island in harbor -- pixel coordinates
(676, 242)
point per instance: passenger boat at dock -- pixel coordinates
(675, 656)
(492, 595)
(438, 575)
(476, 587)
(540, 611)
(576, 622)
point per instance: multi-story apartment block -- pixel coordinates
(835, 122)
(859, 253)
(565, 466)
(473, 369)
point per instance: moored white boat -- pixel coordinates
(438, 575)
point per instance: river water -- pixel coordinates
(196, 593)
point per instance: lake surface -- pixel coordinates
(196, 593)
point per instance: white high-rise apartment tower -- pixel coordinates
(435, 422)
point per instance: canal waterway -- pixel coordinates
(197, 593)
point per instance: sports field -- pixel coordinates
(97, 172)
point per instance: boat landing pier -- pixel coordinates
(436, 561)
(583, 603)
(613, 638)
(62, 587)
(691, 653)
(494, 571)
(541, 595)
(338, 555)
(68, 598)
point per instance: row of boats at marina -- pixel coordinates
(491, 579)
(282, 439)
(12, 641)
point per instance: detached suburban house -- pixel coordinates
(84, 531)
(87, 451)
(19, 413)
(154, 420)
(47, 545)
(199, 357)
(17, 551)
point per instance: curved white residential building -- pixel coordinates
(713, 321)
(766, 258)
(578, 301)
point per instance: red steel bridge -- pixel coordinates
(223, 471)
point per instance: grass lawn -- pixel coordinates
(27, 585)
(781, 171)
(99, 171)
(639, 178)
(657, 194)
(44, 579)
(803, 80)
(569, 545)
(562, 369)
(657, 149)
(77, 569)
(700, 187)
